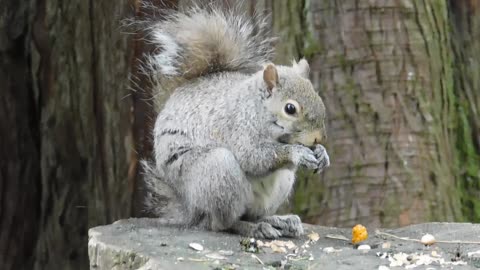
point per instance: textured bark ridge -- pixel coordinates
(144, 244)
(385, 71)
(402, 129)
(19, 143)
(465, 20)
(66, 138)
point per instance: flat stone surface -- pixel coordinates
(144, 244)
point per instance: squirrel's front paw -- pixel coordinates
(322, 156)
(303, 156)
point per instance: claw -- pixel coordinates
(288, 225)
(322, 155)
(266, 231)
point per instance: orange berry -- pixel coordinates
(359, 234)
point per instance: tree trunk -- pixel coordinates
(67, 119)
(19, 144)
(384, 71)
(465, 16)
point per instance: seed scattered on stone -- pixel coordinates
(314, 237)
(278, 249)
(428, 240)
(337, 236)
(383, 255)
(196, 246)
(215, 256)
(226, 252)
(386, 245)
(260, 243)
(331, 250)
(328, 250)
(474, 254)
(364, 247)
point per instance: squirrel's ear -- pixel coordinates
(270, 76)
(302, 68)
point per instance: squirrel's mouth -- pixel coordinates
(290, 139)
(285, 138)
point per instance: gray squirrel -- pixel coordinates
(235, 128)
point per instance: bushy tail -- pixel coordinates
(200, 41)
(159, 198)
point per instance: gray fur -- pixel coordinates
(223, 144)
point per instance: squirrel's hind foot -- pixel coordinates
(287, 225)
(266, 231)
(271, 227)
(261, 230)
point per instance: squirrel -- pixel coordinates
(235, 128)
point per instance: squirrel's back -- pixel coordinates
(214, 104)
(199, 41)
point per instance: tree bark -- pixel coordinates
(20, 141)
(465, 19)
(67, 119)
(384, 69)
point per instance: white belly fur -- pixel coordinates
(271, 191)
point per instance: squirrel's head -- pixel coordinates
(299, 112)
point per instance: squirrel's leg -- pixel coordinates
(213, 189)
(217, 192)
(271, 191)
(291, 225)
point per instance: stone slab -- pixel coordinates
(144, 244)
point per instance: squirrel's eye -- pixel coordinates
(290, 108)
